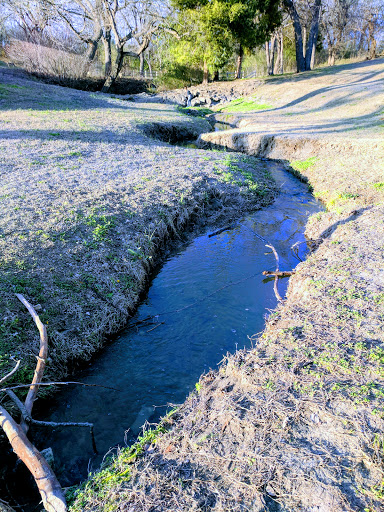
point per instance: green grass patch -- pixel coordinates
(245, 105)
(198, 111)
(115, 472)
(378, 185)
(303, 165)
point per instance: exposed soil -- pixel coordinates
(296, 424)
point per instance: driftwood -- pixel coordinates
(278, 296)
(279, 273)
(50, 490)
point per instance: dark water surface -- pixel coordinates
(160, 362)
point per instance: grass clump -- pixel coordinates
(303, 165)
(244, 105)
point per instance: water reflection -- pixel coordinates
(206, 300)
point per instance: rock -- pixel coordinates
(48, 456)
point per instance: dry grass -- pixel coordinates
(87, 202)
(297, 423)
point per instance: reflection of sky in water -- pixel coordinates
(153, 367)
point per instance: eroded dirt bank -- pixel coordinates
(296, 423)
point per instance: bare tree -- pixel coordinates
(370, 20)
(336, 17)
(130, 21)
(305, 41)
(84, 18)
(29, 17)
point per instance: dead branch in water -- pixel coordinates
(50, 490)
(280, 273)
(215, 233)
(278, 296)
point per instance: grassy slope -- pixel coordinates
(86, 203)
(297, 423)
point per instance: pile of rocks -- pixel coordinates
(209, 95)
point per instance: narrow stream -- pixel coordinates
(206, 300)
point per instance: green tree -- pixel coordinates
(225, 26)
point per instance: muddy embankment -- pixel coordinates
(297, 422)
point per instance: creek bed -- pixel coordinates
(208, 299)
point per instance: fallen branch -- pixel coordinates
(277, 294)
(50, 490)
(220, 231)
(28, 419)
(46, 481)
(20, 386)
(41, 360)
(280, 273)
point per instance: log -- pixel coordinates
(50, 490)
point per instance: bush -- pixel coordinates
(178, 76)
(47, 61)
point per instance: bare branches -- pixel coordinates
(41, 359)
(9, 375)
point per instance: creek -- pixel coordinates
(208, 299)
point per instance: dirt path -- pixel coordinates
(296, 423)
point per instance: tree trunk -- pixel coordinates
(313, 34)
(281, 46)
(270, 54)
(115, 70)
(141, 58)
(331, 56)
(239, 62)
(371, 42)
(107, 53)
(268, 57)
(205, 73)
(300, 61)
(49, 488)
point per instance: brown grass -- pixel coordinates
(297, 423)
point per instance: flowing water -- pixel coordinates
(208, 299)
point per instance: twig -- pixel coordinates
(69, 424)
(41, 360)
(6, 377)
(282, 273)
(28, 419)
(220, 231)
(278, 296)
(156, 326)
